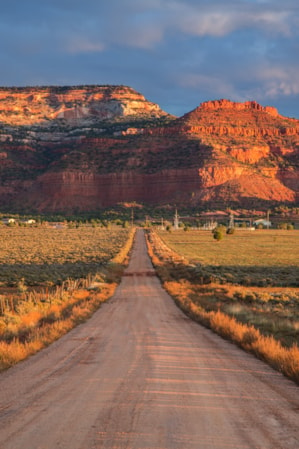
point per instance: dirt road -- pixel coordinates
(139, 374)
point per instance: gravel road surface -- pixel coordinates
(141, 375)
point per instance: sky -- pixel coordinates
(177, 53)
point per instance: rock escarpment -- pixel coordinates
(88, 147)
(80, 104)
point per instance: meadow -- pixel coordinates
(47, 256)
(261, 247)
(261, 257)
(245, 287)
(53, 279)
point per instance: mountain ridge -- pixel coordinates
(66, 148)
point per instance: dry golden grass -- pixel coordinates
(243, 248)
(260, 258)
(46, 256)
(80, 294)
(38, 324)
(32, 318)
(10, 354)
(203, 302)
(248, 337)
(36, 331)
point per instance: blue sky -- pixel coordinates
(178, 53)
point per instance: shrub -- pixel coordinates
(288, 226)
(217, 235)
(22, 286)
(42, 317)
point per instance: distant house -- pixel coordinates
(262, 221)
(29, 221)
(8, 221)
(58, 225)
(210, 225)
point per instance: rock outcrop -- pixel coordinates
(29, 106)
(89, 147)
(231, 105)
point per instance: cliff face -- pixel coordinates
(78, 190)
(233, 106)
(84, 148)
(226, 119)
(29, 106)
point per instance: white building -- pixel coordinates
(262, 221)
(8, 220)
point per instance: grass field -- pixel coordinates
(275, 248)
(245, 287)
(86, 261)
(48, 256)
(261, 258)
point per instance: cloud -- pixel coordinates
(177, 52)
(79, 44)
(278, 81)
(145, 23)
(135, 34)
(219, 19)
(215, 84)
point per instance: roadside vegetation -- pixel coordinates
(262, 258)
(48, 256)
(33, 317)
(244, 287)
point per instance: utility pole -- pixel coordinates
(176, 220)
(268, 219)
(231, 220)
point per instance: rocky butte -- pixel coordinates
(83, 148)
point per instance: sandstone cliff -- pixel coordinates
(29, 106)
(88, 147)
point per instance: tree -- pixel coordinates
(218, 235)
